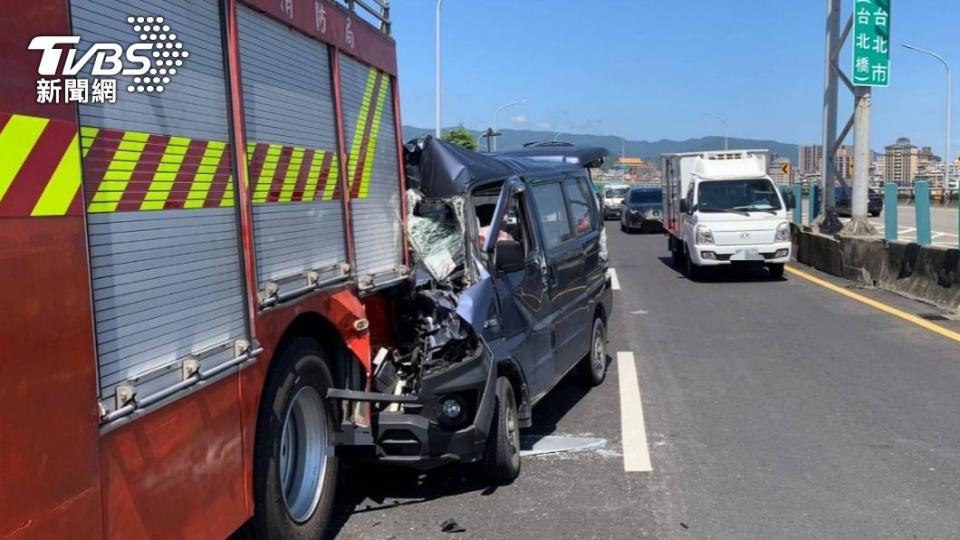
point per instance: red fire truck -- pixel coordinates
(189, 260)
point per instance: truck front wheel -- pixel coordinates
(295, 472)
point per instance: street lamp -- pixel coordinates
(438, 94)
(946, 155)
(497, 112)
(724, 122)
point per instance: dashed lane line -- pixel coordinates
(614, 282)
(636, 452)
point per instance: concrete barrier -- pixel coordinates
(927, 273)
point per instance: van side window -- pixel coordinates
(581, 213)
(552, 211)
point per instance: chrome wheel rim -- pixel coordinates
(303, 454)
(599, 357)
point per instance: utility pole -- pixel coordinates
(438, 91)
(828, 222)
(496, 113)
(725, 128)
(947, 162)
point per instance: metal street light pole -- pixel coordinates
(946, 156)
(438, 93)
(725, 128)
(497, 112)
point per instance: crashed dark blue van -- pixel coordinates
(509, 293)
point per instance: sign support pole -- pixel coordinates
(858, 224)
(828, 222)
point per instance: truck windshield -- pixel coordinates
(645, 196)
(738, 195)
(615, 193)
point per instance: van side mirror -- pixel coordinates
(791, 201)
(509, 256)
(684, 207)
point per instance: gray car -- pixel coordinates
(642, 210)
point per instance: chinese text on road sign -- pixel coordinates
(871, 42)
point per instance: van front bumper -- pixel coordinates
(416, 434)
(712, 255)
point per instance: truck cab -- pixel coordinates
(723, 209)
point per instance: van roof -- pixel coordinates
(560, 152)
(442, 169)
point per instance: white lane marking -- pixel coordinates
(614, 282)
(639, 312)
(636, 453)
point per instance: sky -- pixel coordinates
(654, 69)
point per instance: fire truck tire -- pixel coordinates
(501, 457)
(295, 471)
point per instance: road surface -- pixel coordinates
(770, 409)
(943, 223)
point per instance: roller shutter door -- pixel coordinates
(158, 183)
(372, 171)
(292, 155)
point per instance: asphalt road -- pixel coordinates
(772, 409)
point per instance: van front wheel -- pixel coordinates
(501, 457)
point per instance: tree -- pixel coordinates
(460, 136)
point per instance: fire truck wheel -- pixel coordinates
(295, 469)
(501, 457)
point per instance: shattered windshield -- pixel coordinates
(436, 235)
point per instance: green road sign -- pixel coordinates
(871, 42)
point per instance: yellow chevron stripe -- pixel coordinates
(293, 170)
(87, 135)
(228, 194)
(354, 156)
(118, 173)
(374, 138)
(262, 188)
(313, 175)
(17, 140)
(166, 173)
(205, 172)
(63, 185)
(333, 178)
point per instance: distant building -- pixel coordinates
(901, 162)
(811, 158)
(637, 170)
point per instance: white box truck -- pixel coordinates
(721, 208)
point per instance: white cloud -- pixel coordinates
(544, 125)
(519, 119)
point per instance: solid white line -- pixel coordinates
(614, 282)
(636, 453)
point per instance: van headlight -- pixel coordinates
(704, 235)
(783, 233)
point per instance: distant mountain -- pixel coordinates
(651, 150)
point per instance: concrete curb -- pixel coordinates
(927, 273)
